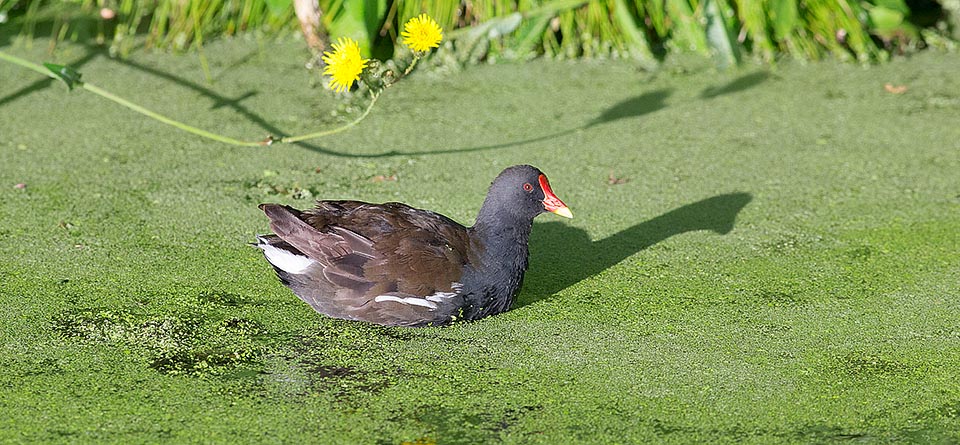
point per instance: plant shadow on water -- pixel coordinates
(736, 85)
(45, 82)
(634, 107)
(219, 101)
(645, 103)
(567, 255)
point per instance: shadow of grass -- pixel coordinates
(645, 103)
(736, 85)
(631, 108)
(638, 106)
(44, 83)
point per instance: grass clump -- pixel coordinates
(645, 30)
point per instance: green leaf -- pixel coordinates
(885, 20)
(277, 7)
(895, 5)
(375, 11)
(530, 33)
(359, 20)
(68, 75)
(495, 27)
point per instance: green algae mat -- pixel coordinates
(764, 255)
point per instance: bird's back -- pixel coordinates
(386, 263)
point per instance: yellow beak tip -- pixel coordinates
(564, 212)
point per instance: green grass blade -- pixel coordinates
(687, 33)
(636, 41)
(783, 17)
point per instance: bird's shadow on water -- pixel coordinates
(562, 255)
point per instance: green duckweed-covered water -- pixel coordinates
(757, 255)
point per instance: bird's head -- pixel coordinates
(525, 191)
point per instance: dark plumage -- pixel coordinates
(392, 264)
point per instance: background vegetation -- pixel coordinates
(783, 270)
(645, 30)
(758, 256)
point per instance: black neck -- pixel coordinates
(497, 277)
(503, 235)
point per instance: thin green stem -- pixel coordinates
(139, 109)
(28, 65)
(198, 38)
(292, 139)
(189, 129)
(410, 67)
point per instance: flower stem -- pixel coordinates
(292, 139)
(28, 65)
(410, 67)
(189, 129)
(139, 109)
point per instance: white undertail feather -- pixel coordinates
(285, 260)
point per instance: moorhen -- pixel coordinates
(395, 265)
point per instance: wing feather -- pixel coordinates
(384, 263)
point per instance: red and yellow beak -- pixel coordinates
(551, 202)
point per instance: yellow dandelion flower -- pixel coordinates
(422, 33)
(344, 64)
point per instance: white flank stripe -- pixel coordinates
(416, 301)
(285, 260)
(440, 296)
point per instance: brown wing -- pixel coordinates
(418, 252)
(389, 264)
(342, 252)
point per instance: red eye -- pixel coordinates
(528, 187)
